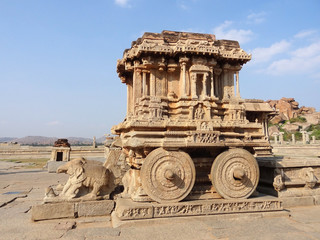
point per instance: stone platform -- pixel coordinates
(127, 210)
(294, 180)
(59, 210)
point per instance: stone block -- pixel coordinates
(53, 211)
(53, 166)
(95, 208)
(127, 209)
(297, 201)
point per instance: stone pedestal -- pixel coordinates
(71, 209)
(295, 180)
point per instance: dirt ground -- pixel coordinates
(21, 188)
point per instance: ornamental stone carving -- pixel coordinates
(186, 119)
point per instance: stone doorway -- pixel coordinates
(199, 85)
(59, 156)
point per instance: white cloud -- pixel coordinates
(224, 32)
(307, 52)
(256, 18)
(305, 33)
(122, 3)
(265, 54)
(304, 60)
(53, 123)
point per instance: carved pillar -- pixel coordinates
(194, 86)
(165, 84)
(204, 85)
(265, 125)
(217, 72)
(183, 79)
(170, 79)
(144, 83)
(128, 100)
(293, 139)
(152, 83)
(134, 87)
(303, 137)
(307, 137)
(212, 92)
(237, 85)
(183, 84)
(281, 137)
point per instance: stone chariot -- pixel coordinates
(187, 131)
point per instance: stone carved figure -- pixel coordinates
(84, 175)
(307, 174)
(199, 113)
(278, 182)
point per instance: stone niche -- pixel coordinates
(61, 151)
(59, 155)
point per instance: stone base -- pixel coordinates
(294, 180)
(126, 209)
(294, 197)
(289, 202)
(71, 210)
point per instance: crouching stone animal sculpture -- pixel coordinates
(86, 177)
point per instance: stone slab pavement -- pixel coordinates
(21, 188)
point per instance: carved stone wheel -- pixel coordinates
(167, 176)
(235, 174)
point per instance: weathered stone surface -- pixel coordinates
(87, 179)
(289, 202)
(68, 225)
(95, 208)
(291, 151)
(72, 209)
(291, 127)
(313, 118)
(294, 179)
(116, 163)
(53, 211)
(62, 142)
(127, 209)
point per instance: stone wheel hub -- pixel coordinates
(235, 174)
(167, 176)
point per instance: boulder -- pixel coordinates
(272, 130)
(306, 110)
(313, 118)
(291, 127)
(279, 118)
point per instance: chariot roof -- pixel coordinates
(172, 43)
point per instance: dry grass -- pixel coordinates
(29, 163)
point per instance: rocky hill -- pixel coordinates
(291, 119)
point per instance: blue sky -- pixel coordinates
(58, 58)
